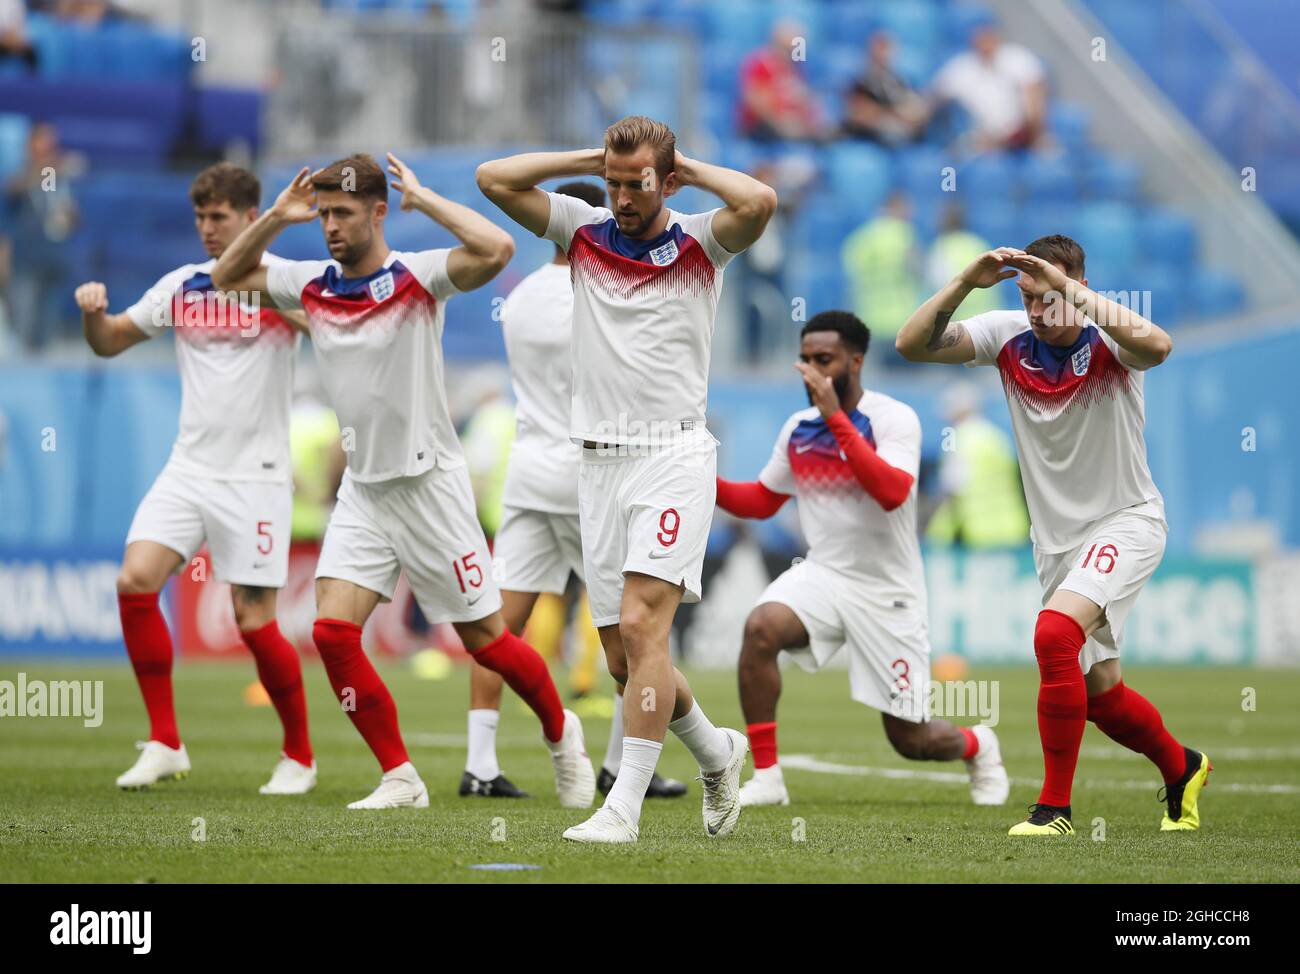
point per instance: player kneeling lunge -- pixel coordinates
(646, 281)
(1072, 364)
(851, 460)
(539, 541)
(227, 482)
(376, 319)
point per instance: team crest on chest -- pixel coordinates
(1081, 359)
(381, 288)
(665, 254)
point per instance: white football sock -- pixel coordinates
(614, 749)
(711, 747)
(637, 767)
(482, 759)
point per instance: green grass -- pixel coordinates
(61, 819)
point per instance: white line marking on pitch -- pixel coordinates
(806, 762)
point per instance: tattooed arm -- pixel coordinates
(929, 334)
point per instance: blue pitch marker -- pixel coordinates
(504, 867)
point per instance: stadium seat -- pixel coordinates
(1107, 178)
(14, 130)
(1049, 179)
(990, 176)
(1168, 237)
(1215, 294)
(860, 173)
(1109, 231)
(1069, 124)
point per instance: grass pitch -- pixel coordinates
(853, 820)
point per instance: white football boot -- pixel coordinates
(290, 777)
(989, 784)
(575, 781)
(399, 788)
(722, 789)
(767, 787)
(157, 762)
(605, 826)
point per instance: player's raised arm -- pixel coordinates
(888, 485)
(1142, 343)
(106, 334)
(748, 203)
(511, 183)
(929, 334)
(484, 249)
(240, 268)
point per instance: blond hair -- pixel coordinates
(628, 134)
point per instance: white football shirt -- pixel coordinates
(236, 368)
(378, 340)
(1077, 414)
(846, 528)
(642, 322)
(537, 322)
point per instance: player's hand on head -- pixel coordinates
(1038, 276)
(821, 388)
(297, 201)
(92, 296)
(405, 181)
(991, 267)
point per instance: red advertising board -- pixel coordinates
(204, 622)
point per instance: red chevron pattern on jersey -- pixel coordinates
(816, 461)
(690, 272)
(387, 299)
(202, 315)
(1052, 381)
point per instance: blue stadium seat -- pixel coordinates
(14, 130)
(920, 170)
(915, 26)
(1049, 179)
(990, 176)
(1112, 179)
(993, 220)
(1168, 237)
(860, 175)
(1215, 294)
(1069, 124)
(1167, 294)
(1109, 231)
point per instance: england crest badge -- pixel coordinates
(381, 288)
(1081, 359)
(665, 254)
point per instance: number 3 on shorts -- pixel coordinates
(669, 523)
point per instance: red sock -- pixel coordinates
(1128, 718)
(1062, 702)
(972, 743)
(525, 671)
(762, 743)
(280, 671)
(363, 694)
(149, 645)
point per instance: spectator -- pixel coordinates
(951, 252)
(983, 503)
(765, 307)
(13, 34)
(775, 102)
(880, 104)
(42, 212)
(1003, 88)
(880, 261)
